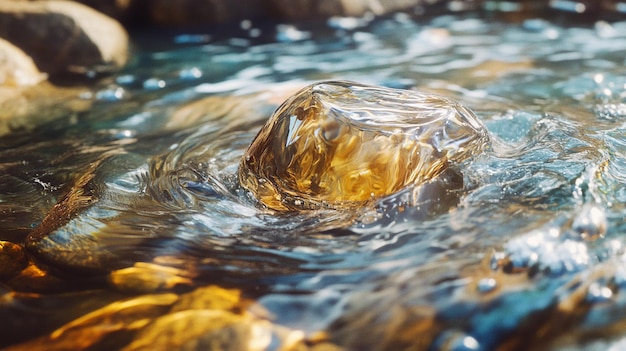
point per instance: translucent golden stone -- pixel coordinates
(342, 144)
(147, 277)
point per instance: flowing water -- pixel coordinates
(136, 199)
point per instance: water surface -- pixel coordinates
(528, 252)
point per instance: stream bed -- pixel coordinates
(129, 229)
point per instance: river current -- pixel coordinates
(523, 249)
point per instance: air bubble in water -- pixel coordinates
(590, 223)
(486, 285)
(114, 93)
(190, 73)
(598, 293)
(289, 33)
(153, 84)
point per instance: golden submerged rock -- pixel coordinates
(342, 144)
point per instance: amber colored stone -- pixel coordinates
(12, 259)
(344, 144)
(147, 278)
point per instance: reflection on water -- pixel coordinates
(131, 211)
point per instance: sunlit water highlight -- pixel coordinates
(533, 237)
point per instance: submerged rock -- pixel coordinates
(105, 327)
(337, 144)
(63, 36)
(12, 259)
(17, 72)
(146, 277)
(20, 107)
(207, 318)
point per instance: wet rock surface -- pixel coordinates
(21, 106)
(208, 318)
(17, 73)
(16, 68)
(60, 39)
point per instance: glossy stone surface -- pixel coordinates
(342, 144)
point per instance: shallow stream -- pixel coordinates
(526, 252)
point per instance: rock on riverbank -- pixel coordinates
(51, 38)
(64, 36)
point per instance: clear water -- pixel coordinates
(527, 253)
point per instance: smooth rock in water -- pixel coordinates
(64, 36)
(105, 328)
(17, 71)
(214, 318)
(146, 278)
(344, 144)
(16, 68)
(203, 330)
